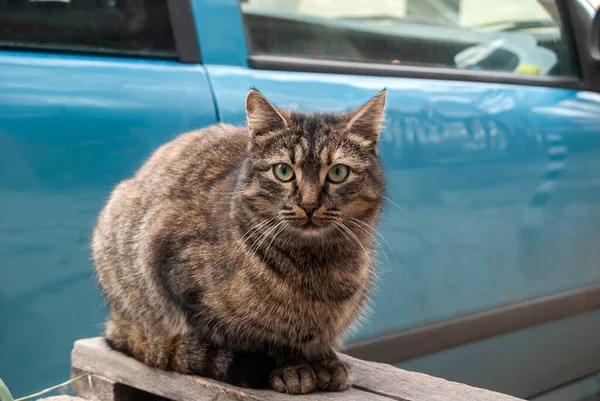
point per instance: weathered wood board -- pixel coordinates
(117, 377)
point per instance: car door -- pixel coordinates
(87, 90)
(488, 268)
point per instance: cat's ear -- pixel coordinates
(365, 121)
(263, 117)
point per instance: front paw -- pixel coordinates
(294, 379)
(332, 374)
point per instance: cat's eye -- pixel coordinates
(283, 172)
(338, 173)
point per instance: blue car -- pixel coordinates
(489, 245)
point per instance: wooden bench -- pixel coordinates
(113, 376)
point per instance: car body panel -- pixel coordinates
(526, 362)
(71, 127)
(220, 32)
(585, 389)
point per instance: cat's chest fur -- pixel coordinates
(303, 310)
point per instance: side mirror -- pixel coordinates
(595, 38)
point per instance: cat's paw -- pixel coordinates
(294, 379)
(332, 375)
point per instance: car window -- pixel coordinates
(139, 27)
(520, 36)
(595, 4)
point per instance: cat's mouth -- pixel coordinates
(307, 223)
(310, 225)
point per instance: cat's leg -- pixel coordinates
(159, 350)
(331, 373)
(188, 354)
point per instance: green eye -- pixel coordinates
(338, 173)
(283, 172)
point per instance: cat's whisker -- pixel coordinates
(275, 229)
(255, 228)
(256, 244)
(251, 248)
(271, 231)
(392, 202)
(345, 235)
(281, 228)
(259, 225)
(376, 232)
(260, 236)
(354, 224)
(353, 236)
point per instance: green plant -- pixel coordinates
(6, 396)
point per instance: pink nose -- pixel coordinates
(310, 208)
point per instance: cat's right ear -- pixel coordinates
(263, 117)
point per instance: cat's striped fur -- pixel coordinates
(211, 265)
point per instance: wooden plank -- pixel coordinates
(94, 356)
(98, 388)
(371, 381)
(93, 387)
(399, 384)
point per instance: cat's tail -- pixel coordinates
(188, 354)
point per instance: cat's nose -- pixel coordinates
(309, 208)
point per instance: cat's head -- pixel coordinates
(314, 173)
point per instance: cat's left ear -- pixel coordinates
(263, 117)
(365, 121)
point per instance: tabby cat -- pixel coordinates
(243, 254)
